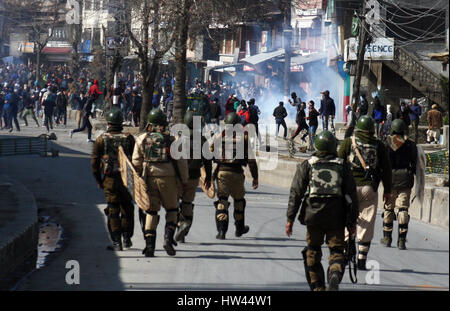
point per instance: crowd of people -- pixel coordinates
(46, 102)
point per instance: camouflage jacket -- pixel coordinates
(98, 154)
(329, 212)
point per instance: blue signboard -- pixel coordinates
(85, 47)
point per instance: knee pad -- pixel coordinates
(171, 215)
(239, 209)
(363, 249)
(222, 206)
(403, 216)
(151, 221)
(187, 209)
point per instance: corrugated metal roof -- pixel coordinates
(304, 59)
(262, 57)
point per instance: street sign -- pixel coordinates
(379, 49)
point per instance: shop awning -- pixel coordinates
(56, 50)
(305, 21)
(262, 57)
(304, 59)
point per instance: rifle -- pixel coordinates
(350, 245)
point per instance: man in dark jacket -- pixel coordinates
(300, 119)
(61, 108)
(403, 114)
(363, 107)
(416, 112)
(323, 183)
(379, 115)
(327, 110)
(403, 157)
(280, 114)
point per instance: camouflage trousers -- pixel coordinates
(187, 196)
(400, 201)
(120, 208)
(313, 254)
(230, 184)
(368, 202)
(162, 191)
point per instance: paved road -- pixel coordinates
(263, 259)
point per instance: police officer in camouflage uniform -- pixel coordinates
(230, 178)
(188, 191)
(152, 160)
(120, 209)
(375, 166)
(403, 156)
(324, 183)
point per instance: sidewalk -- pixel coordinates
(19, 230)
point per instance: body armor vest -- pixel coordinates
(368, 153)
(231, 155)
(325, 177)
(110, 159)
(401, 158)
(156, 148)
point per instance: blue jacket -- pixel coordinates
(416, 112)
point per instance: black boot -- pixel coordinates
(150, 242)
(222, 225)
(222, 228)
(169, 242)
(401, 243)
(333, 281)
(387, 239)
(241, 228)
(127, 240)
(183, 230)
(362, 264)
(116, 242)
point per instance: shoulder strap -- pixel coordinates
(355, 147)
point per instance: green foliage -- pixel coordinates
(444, 88)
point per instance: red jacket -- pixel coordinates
(229, 106)
(94, 91)
(246, 114)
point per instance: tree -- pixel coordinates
(160, 17)
(38, 18)
(195, 17)
(74, 29)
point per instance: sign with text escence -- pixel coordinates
(379, 49)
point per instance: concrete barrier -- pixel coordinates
(19, 233)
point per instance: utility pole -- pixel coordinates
(363, 40)
(287, 35)
(117, 45)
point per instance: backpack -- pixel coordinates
(253, 114)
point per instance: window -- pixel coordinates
(96, 37)
(87, 4)
(86, 34)
(105, 4)
(96, 5)
(59, 34)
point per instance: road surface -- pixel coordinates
(263, 259)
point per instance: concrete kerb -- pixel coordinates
(19, 236)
